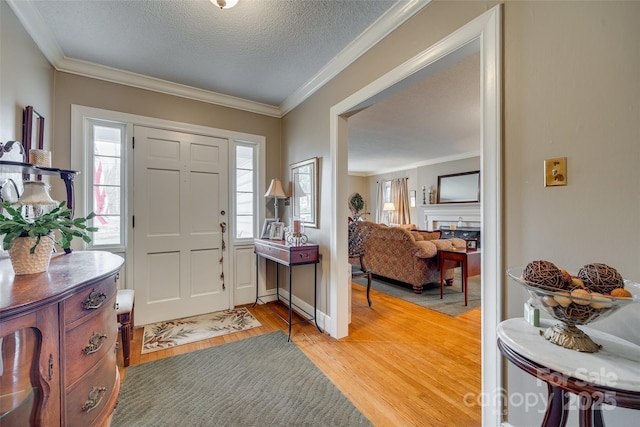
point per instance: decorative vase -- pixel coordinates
(24, 262)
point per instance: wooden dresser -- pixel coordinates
(58, 336)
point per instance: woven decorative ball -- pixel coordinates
(601, 278)
(566, 278)
(575, 313)
(544, 274)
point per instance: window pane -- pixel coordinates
(244, 180)
(106, 200)
(108, 230)
(245, 191)
(106, 170)
(244, 157)
(244, 227)
(244, 203)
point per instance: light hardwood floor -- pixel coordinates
(401, 365)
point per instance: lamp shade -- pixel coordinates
(276, 190)
(389, 207)
(35, 193)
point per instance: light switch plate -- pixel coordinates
(555, 172)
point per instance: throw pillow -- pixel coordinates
(426, 249)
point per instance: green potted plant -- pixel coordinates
(30, 240)
(356, 205)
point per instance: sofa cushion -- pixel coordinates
(426, 249)
(448, 244)
(426, 235)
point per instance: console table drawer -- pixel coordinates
(279, 251)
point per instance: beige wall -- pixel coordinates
(570, 89)
(74, 89)
(27, 78)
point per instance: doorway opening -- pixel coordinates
(485, 30)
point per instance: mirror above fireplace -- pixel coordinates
(459, 188)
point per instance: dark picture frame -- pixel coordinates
(32, 129)
(459, 188)
(472, 244)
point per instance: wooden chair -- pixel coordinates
(124, 310)
(357, 238)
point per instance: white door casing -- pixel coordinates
(180, 192)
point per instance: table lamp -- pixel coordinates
(277, 192)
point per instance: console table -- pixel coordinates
(468, 259)
(290, 256)
(611, 376)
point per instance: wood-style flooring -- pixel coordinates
(401, 365)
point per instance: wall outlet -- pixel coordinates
(555, 172)
(531, 314)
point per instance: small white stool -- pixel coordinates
(124, 309)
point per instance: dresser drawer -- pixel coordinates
(87, 342)
(88, 398)
(90, 299)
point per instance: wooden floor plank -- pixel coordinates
(401, 365)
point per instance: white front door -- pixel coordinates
(180, 200)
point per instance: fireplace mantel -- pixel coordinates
(436, 215)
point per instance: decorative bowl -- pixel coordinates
(573, 310)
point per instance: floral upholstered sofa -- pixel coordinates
(409, 256)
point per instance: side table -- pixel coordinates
(611, 376)
(470, 262)
(290, 256)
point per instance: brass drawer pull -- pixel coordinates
(95, 397)
(305, 255)
(95, 343)
(95, 300)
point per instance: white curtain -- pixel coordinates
(380, 202)
(400, 198)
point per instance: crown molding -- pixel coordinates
(35, 26)
(454, 157)
(114, 75)
(382, 27)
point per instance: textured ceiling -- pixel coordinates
(260, 50)
(436, 119)
(263, 53)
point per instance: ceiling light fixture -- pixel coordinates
(224, 4)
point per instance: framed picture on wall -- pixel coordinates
(412, 198)
(33, 130)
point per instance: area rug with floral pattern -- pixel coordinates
(163, 335)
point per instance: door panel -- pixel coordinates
(180, 188)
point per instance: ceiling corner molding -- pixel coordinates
(33, 23)
(114, 75)
(392, 19)
(435, 161)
